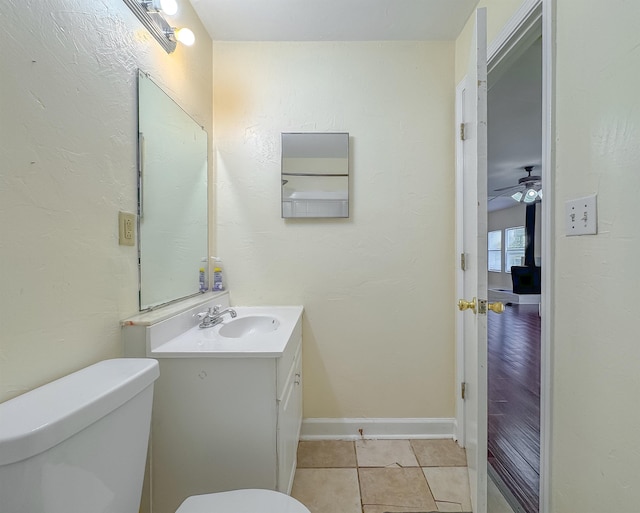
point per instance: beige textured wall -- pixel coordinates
(596, 346)
(68, 124)
(377, 287)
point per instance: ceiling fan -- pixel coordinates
(530, 188)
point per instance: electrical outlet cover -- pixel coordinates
(581, 216)
(126, 229)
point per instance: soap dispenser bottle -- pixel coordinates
(203, 275)
(217, 281)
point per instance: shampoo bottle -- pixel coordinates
(203, 275)
(218, 283)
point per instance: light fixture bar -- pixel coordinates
(155, 23)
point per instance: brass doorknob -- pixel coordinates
(467, 305)
(496, 307)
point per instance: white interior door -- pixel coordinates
(474, 278)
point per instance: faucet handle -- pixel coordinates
(214, 309)
(201, 315)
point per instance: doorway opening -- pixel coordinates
(515, 195)
(532, 20)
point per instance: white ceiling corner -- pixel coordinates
(333, 20)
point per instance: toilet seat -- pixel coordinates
(242, 501)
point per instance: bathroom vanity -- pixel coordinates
(227, 409)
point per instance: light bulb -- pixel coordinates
(530, 196)
(185, 36)
(169, 7)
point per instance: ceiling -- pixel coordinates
(333, 20)
(514, 99)
(514, 124)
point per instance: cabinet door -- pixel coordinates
(289, 422)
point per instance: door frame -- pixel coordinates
(532, 17)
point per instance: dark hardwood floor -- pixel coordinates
(514, 401)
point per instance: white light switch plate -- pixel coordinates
(581, 216)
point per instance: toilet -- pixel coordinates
(79, 444)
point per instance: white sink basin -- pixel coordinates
(257, 331)
(248, 325)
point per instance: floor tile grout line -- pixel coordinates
(355, 452)
(360, 490)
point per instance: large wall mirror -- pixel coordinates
(172, 197)
(315, 175)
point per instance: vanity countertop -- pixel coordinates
(162, 313)
(208, 343)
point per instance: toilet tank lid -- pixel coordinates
(42, 418)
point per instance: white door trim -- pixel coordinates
(522, 28)
(459, 327)
(528, 20)
(548, 247)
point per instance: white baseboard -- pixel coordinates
(365, 428)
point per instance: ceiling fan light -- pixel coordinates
(540, 194)
(517, 196)
(530, 196)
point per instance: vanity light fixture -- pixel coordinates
(184, 35)
(168, 7)
(151, 14)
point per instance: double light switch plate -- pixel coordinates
(581, 216)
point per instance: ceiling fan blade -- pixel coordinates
(523, 183)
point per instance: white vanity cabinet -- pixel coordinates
(289, 419)
(224, 424)
(225, 421)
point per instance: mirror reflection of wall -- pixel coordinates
(315, 175)
(172, 197)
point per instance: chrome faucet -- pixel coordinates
(213, 316)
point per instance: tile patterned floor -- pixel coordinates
(379, 476)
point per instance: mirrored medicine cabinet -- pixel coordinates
(172, 197)
(315, 175)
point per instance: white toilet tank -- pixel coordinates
(78, 444)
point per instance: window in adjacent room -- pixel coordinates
(494, 258)
(514, 247)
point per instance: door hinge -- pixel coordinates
(463, 390)
(462, 134)
(463, 261)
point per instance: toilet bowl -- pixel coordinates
(80, 444)
(242, 501)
